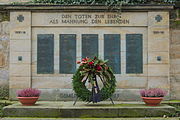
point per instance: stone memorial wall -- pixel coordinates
(44, 47)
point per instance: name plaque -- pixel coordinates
(90, 19)
(45, 54)
(134, 53)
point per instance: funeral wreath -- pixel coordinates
(92, 72)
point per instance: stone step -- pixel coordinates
(83, 110)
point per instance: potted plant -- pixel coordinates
(153, 96)
(28, 96)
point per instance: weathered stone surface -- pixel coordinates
(153, 58)
(159, 82)
(52, 81)
(20, 45)
(19, 82)
(4, 51)
(131, 82)
(20, 70)
(50, 94)
(127, 94)
(175, 37)
(81, 110)
(175, 55)
(175, 47)
(175, 69)
(54, 94)
(153, 19)
(20, 57)
(158, 39)
(175, 64)
(158, 70)
(175, 88)
(20, 28)
(161, 45)
(2, 60)
(4, 77)
(32, 112)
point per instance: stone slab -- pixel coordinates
(83, 110)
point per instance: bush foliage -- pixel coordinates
(102, 2)
(4, 92)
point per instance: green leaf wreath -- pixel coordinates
(88, 71)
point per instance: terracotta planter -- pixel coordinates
(28, 101)
(152, 101)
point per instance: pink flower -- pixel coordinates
(153, 92)
(98, 67)
(91, 63)
(85, 59)
(29, 92)
(84, 62)
(78, 62)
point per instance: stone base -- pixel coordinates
(68, 95)
(83, 110)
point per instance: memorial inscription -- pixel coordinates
(112, 51)
(67, 53)
(20, 32)
(89, 45)
(89, 19)
(45, 53)
(134, 53)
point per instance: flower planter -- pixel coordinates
(152, 101)
(28, 101)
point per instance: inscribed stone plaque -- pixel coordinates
(134, 53)
(112, 51)
(67, 53)
(89, 19)
(45, 53)
(89, 45)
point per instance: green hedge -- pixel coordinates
(102, 2)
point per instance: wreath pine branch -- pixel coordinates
(85, 73)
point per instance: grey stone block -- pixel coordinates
(81, 110)
(31, 112)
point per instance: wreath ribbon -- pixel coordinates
(88, 71)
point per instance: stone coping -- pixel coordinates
(86, 8)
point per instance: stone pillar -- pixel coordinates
(158, 50)
(20, 51)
